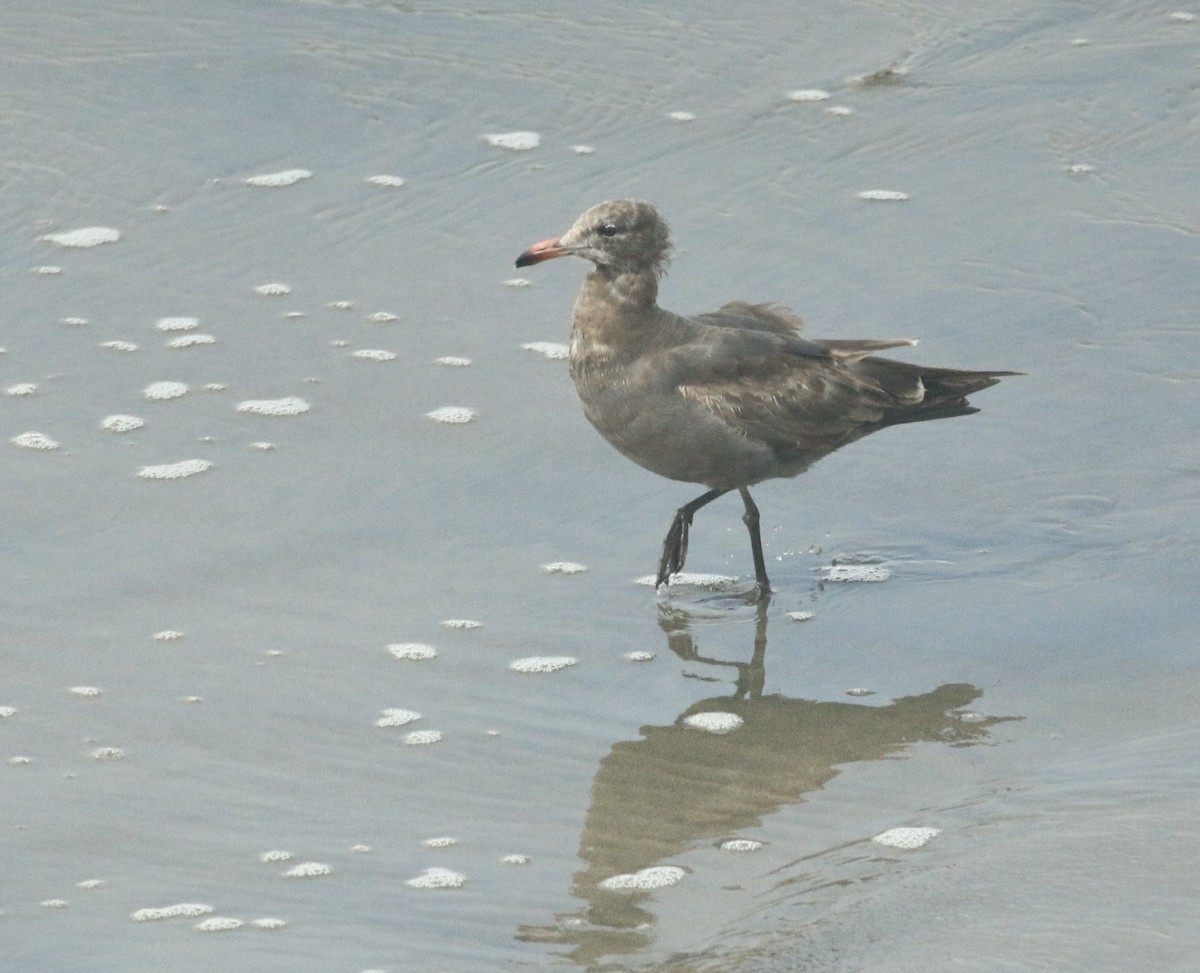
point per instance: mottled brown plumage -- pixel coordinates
(728, 398)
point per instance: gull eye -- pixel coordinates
(608, 229)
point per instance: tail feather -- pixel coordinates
(945, 389)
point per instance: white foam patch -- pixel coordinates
(681, 116)
(19, 761)
(518, 282)
(218, 924)
(582, 149)
(268, 857)
(414, 651)
(184, 910)
(542, 663)
(119, 345)
(268, 922)
(1182, 17)
(694, 578)
(656, 877)
(288, 406)
(857, 572)
(91, 884)
(840, 111)
(262, 447)
(453, 415)
(452, 361)
(860, 691)
(177, 324)
(167, 635)
(360, 849)
(22, 388)
(382, 317)
(7, 711)
(443, 842)
(1079, 168)
(461, 623)
(275, 180)
(514, 141)
(515, 860)
(341, 305)
(308, 870)
(389, 182)
(548, 349)
(437, 878)
(800, 616)
(423, 738)
(88, 236)
(161, 391)
(808, 94)
(86, 691)
(107, 753)
(191, 341)
(906, 838)
(714, 722)
(174, 471)
(883, 195)
(34, 440)
(564, 567)
(741, 844)
(73, 322)
(53, 903)
(375, 354)
(274, 289)
(640, 656)
(397, 717)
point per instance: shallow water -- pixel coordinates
(1029, 659)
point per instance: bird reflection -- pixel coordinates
(654, 798)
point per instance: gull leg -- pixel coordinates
(762, 583)
(675, 544)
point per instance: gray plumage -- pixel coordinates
(729, 398)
